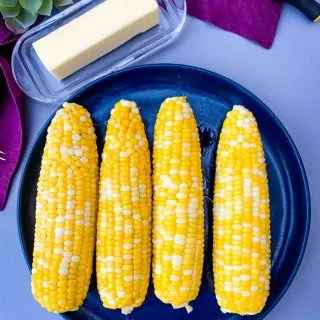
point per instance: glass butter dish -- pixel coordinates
(37, 82)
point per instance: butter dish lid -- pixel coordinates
(37, 82)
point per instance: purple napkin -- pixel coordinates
(256, 20)
(4, 32)
(10, 122)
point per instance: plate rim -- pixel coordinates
(233, 83)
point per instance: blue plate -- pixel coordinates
(211, 97)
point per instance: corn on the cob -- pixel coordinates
(241, 253)
(178, 225)
(66, 212)
(124, 216)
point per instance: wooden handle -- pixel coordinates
(309, 8)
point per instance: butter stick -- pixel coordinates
(94, 34)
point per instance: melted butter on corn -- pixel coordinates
(124, 216)
(178, 217)
(241, 255)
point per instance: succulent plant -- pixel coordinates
(19, 15)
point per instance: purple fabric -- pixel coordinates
(10, 122)
(256, 20)
(4, 32)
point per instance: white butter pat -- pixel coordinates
(94, 34)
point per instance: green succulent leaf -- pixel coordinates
(26, 18)
(46, 8)
(10, 12)
(22, 22)
(8, 3)
(31, 5)
(62, 3)
(19, 15)
(15, 26)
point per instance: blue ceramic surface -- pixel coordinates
(211, 97)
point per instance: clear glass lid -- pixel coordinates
(36, 81)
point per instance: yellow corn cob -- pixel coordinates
(178, 225)
(124, 216)
(241, 253)
(66, 212)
